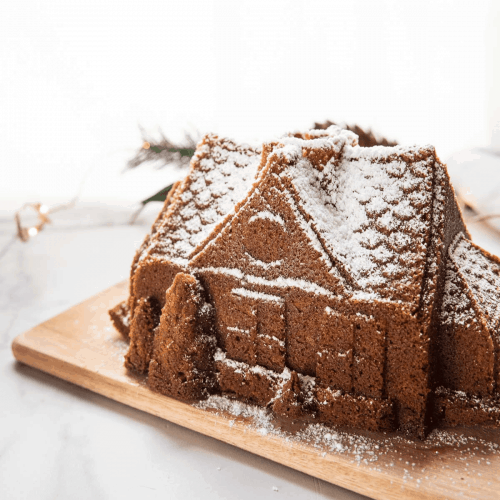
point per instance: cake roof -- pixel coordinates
(220, 176)
(367, 211)
(481, 274)
(371, 209)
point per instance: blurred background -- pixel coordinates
(77, 81)
(77, 78)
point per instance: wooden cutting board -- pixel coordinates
(81, 346)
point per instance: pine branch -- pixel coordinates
(164, 152)
(159, 196)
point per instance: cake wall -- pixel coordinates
(365, 349)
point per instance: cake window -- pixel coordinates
(255, 334)
(302, 334)
(266, 240)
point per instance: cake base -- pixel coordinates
(82, 347)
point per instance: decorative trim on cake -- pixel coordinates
(256, 384)
(456, 408)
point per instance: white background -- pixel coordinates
(76, 79)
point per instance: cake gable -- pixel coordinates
(269, 240)
(479, 273)
(465, 339)
(270, 237)
(367, 213)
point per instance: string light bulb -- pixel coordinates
(25, 233)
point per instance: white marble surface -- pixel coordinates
(60, 441)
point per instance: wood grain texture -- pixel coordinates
(81, 346)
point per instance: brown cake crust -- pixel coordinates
(457, 408)
(138, 255)
(467, 350)
(142, 333)
(238, 379)
(344, 410)
(289, 402)
(182, 363)
(120, 317)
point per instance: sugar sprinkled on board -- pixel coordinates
(378, 452)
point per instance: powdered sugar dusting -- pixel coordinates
(312, 237)
(333, 137)
(468, 266)
(266, 214)
(243, 292)
(370, 209)
(236, 329)
(123, 314)
(221, 175)
(409, 460)
(284, 283)
(481, 275)
(272, 338)
(260, 263)
(277, 283)
(240, 367)
(456, 308)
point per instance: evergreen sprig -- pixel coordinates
(164, 152)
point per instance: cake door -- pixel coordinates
(368, 356)
(270, 341)
(351, 354)
(302, 332)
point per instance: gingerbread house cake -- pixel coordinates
(323, 280)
